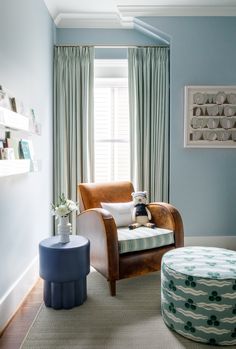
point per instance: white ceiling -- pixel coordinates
(120, 13)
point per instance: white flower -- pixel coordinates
(64, 207)
(71, 205)
(62, 210)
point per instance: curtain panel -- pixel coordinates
(149, 120)
(73, 120)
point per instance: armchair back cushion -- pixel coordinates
(92, 194)
(121, 212)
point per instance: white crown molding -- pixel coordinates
(150, 31)
(131, 11)
(126, 14)
(92, 20)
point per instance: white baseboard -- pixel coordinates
(228, 242)
(14, 297)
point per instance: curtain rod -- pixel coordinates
(112, 46)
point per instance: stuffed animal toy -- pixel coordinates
(141, 215)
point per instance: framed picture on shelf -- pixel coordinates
(210, 117)
(5, 100)
(8, 154)
(1, 153)
(17, 106)
(26, 149)
(14, 144)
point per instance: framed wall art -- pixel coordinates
(210, 116)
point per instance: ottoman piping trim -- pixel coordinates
(197, 276)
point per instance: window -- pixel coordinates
(111, 122)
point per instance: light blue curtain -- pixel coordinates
(149, 120)
(73, 120)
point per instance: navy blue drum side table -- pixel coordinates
(64, 268)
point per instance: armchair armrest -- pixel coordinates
(99, 227)
(167, 216)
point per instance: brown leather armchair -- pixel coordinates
(99, 227)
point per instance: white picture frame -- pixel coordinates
(210, 117)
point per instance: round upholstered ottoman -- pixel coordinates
(198, 286)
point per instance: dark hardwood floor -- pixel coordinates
(15, 332)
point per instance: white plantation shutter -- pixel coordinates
(111, 130)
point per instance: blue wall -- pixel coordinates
(26, 43)
(104, 37)
(203, 181)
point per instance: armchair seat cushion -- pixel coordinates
(143, 238)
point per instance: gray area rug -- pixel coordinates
(131, 320)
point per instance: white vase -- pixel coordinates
(64, 229)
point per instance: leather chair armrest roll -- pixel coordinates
(167, 216)
(99, 227)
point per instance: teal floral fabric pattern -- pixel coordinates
(199, 294)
